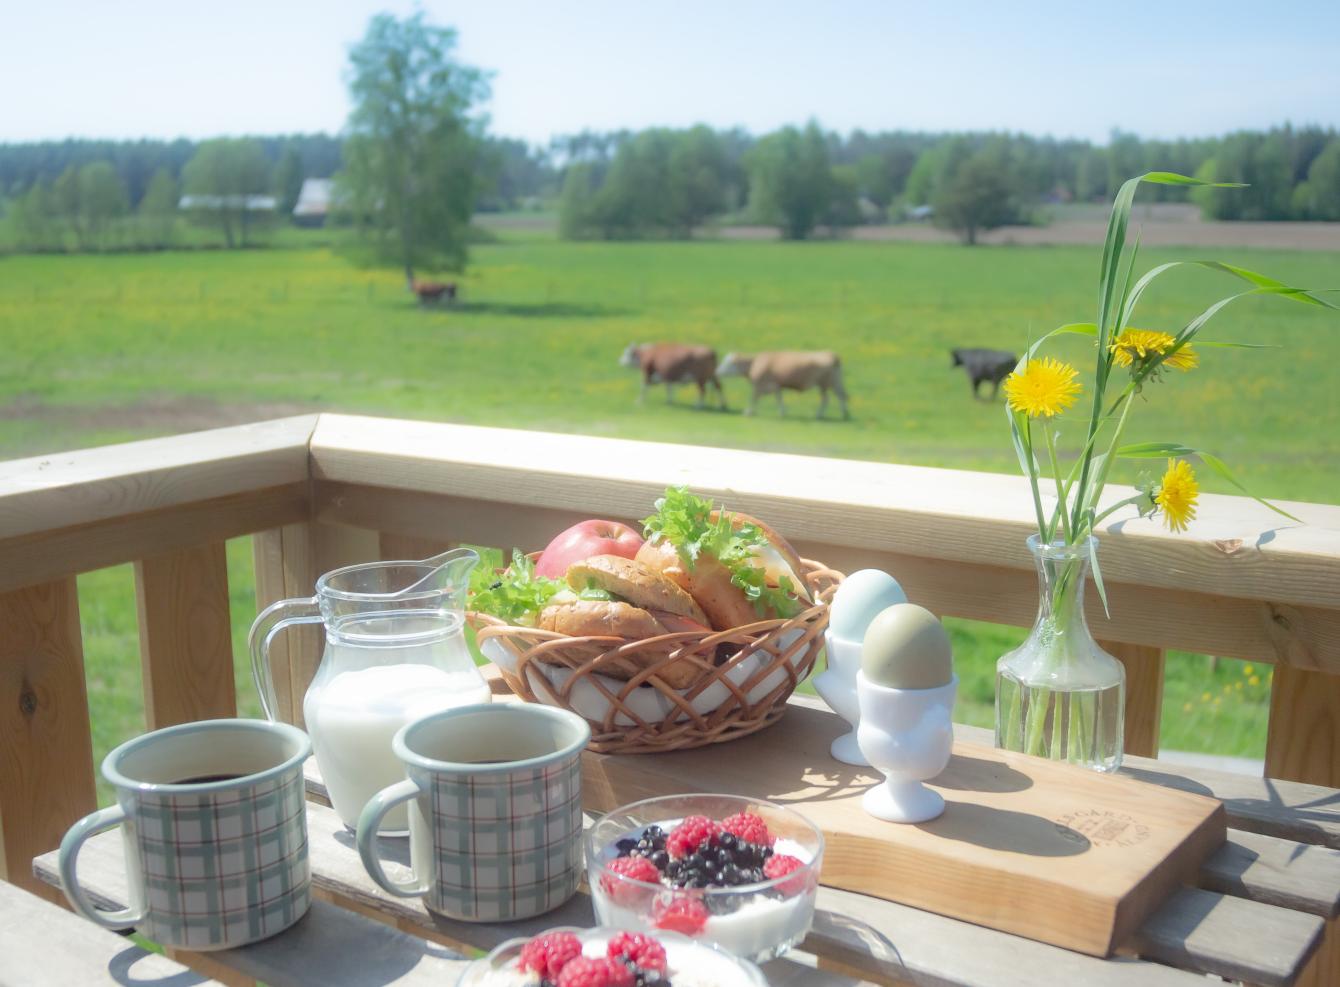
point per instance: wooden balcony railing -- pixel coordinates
(322, 491)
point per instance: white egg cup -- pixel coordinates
(908, 736)
(837, 687)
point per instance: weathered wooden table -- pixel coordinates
(1258, 915)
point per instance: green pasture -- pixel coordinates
(99, 349)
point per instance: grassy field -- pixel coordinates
(101, 349)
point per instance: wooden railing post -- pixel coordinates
(1303, 737)
(186, 645)
(1144, 695)
(46, 751)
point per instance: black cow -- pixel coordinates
(983, 365)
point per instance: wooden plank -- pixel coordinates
(1230, 937)
(62, 490)
(396, 547)
(1140, 614)
(1324, 969)
(186, 642)
(42, 945)
(1303, 736)
(46, 752)
(330, 946)
(1278, 872)
(272, 582)
(1288, 810)
(44, 556)
(1144, 695)
(1235, 548)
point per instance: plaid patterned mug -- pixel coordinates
(215, 828)
(495, 811)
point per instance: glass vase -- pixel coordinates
(1059, 695)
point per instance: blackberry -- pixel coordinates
(625, 847)
(722, 904)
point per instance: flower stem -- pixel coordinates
(1056, 476)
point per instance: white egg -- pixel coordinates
(862, 596)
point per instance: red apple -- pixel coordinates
(584, 540)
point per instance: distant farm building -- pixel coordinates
(313, 203)
(249, 203)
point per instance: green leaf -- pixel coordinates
(1097, 572)
(1164, 450)
(1172, 178)
(1238, 346)
(1217, 464)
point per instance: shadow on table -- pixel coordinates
(121, 969)
(868, 945)
(979, 774)
(1004, 829)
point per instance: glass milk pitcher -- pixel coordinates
(395, 651)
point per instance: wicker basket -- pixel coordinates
(742, 676)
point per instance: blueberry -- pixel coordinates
(661, 859)
(711, 866)
(652, 832)
(728, 840)
(767, 852)
(694, 860)
(730, 875)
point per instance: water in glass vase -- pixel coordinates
(1059, 695)
(1083, 726)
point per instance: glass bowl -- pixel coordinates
(692, 963)
(759, 921)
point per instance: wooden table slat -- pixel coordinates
(43, 945)
(1301, 876)
(1231, 937)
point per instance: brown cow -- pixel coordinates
(432, 292)
(674, 363)
(788, 370)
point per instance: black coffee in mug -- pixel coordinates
(206, 779)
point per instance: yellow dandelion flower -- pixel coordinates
(1238, 686)
(1254, 680)
(1205, 697)
(1045, 388)
(1177, 494)
(1217, 701)
(1139, 345)
(1186, 707)
(1248, 670)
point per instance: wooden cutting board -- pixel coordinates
(1049, 851)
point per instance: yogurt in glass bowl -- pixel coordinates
(736, 872)
(665, 959)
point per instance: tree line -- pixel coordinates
(662, 182)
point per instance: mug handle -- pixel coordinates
(270, 622)
(80, 832)
(369, 822)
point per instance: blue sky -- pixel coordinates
(185, 67)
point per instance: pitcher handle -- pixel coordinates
(270, 622)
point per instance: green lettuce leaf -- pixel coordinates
(685, 521)
(515, 595)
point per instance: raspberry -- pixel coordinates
(640, 950)
(587, 971)
(690, 834)
(548, 954)
(749, 827)
(779, 865)
(637, 868)
(683, 914)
